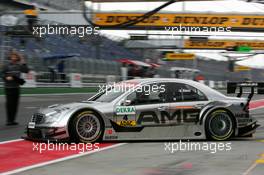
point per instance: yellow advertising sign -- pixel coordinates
(127, 123)
(179, 56)
(180, 20)
(31, 12)
(223, 44)
(241, 68)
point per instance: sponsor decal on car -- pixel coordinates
(178, 116)
(127, 123)
(109, 131)
(125, 110)
(31, 125)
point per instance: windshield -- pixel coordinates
(108, 97)
(110, 93)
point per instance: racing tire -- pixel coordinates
(86, 127)
(219, 125)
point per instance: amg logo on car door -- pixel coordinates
(178, 116)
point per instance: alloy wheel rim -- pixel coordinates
(88, 127)
(220, 125)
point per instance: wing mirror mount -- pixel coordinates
(126, 102)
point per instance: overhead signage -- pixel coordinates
(223, 44)
(159, 21)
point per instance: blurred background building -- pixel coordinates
(96, 57)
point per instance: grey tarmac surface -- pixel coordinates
(145, 158)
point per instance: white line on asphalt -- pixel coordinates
(60, 160)
(251, 109)
(257, 107)
(258, 100)
(250, 169)
(247, 172)
(10, 141)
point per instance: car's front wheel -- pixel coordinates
(86, 127)
(219, 125)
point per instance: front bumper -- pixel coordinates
(45, 134)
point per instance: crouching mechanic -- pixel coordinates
(11, 75)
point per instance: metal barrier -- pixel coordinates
(54, 79)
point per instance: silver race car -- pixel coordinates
(148, 109)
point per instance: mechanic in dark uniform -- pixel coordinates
(11, 75)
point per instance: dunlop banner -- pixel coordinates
(223, 44)
(160, 21)
(179, 56)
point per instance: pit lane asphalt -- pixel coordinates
(149, 158)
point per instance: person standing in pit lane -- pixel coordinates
(11, 75)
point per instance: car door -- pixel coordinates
(149, 102)
(186, 103)
(149, 108)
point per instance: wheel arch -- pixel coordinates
(209, 111)
(212, 107)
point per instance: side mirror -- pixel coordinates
(126, 103)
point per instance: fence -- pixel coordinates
(46, 79)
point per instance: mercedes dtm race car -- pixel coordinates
(148, 109)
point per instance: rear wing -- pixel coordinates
(240, 88)
(249, 88)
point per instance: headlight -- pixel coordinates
(55, 115)
(52, 117)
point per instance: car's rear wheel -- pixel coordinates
(219, 125)
(86, 127)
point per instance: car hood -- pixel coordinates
(69, 106)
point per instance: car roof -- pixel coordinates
(153, 80)
(210, 93)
